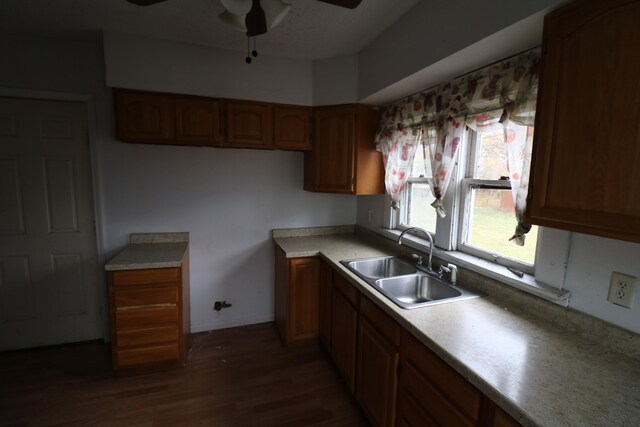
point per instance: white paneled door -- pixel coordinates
(49, 287)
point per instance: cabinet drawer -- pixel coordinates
(146, 276)
(381, 320)
(145, 336)
(155, 295)
(146, 316)
(144, 355)
(346, 288)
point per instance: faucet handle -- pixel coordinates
(418, 257)
(452, 269)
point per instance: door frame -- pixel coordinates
(90, 108)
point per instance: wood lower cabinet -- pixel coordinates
(144, 117)
(377, 364)
(432, 393)
(249, 125)
(343, 159)
(292, 128)
(585, 174)
(325, 304)
(396, 379)
(297, 295)
(344, 328)
(149, 317)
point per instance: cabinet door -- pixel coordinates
(292, 128)
(344, 324)
(143, 117)
(333, 150)
(249, 125)
(198, 121)
(377, 366)
(586, 170)
(303, 298)
(326, 287)
(430, 389)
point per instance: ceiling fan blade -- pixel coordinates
(145, 2)
(349, 4)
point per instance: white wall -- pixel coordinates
(435, 30)
(228, 200)
(591, 261)
(335, 81)
(142, 63)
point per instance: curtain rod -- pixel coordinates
(465, 73)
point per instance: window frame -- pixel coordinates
(451, 231)
(467, 184)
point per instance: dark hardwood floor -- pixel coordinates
(239, 377)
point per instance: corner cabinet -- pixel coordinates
(343, 159)
(296, 297)
(586, 161)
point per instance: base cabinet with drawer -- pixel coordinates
(149, 311)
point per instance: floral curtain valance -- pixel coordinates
(510, 84)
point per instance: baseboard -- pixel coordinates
(203, 327)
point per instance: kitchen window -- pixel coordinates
(481, 214)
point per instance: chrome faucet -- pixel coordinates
(429, 266)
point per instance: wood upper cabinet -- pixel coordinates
(343, 159)
(344, 328)
(292, 128)
(377, 364)
(297, 293)
(144, 117)
(586, 164)
(249, 125)
(150, 317)
(198, 121)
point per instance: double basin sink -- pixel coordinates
(404, 284)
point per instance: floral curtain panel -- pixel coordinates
(398, 150)
(498, 94)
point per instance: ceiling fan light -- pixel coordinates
(275, 11)
(237, 7)
(236, 21)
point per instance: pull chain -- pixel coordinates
(254, 52)
(248, 60)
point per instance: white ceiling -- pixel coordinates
(312, 30)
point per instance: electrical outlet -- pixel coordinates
(622, 289)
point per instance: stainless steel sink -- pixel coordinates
(420, 290)
(377, 268)
(405, 285)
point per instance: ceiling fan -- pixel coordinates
(255, 17)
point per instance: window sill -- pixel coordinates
(526, 283)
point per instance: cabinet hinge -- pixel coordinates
(530, 194)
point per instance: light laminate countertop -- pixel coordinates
(151, 250)
(541, 373)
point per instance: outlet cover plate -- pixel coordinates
(622, 289)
